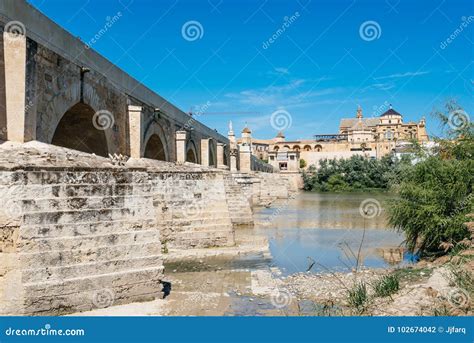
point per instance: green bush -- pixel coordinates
(355, 173)
(435, 194)
(434, 198)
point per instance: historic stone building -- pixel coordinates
(372, 137)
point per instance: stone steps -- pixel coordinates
(83, 203)
(238, 203)
(201, 239)
(97, 254)
(64, 217)
(80, 293)
(57, 274)
(88, 241)
(85, 228)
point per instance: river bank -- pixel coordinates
(268, 272)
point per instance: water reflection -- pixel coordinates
(329, 229)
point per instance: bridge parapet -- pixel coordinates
(58, 90)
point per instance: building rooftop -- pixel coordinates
(349, 122)
(280, 134)
(391, 112)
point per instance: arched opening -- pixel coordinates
(318, 148)
(276, 148)
(296, 148)
(307, 148)
(155, 149)
(191, 156)
(77, 131)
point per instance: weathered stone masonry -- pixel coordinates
(79, 231)
(69, 234)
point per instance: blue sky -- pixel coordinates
(318, 69)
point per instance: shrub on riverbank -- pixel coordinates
(435, 195)
(357, 173)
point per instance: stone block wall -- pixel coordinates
(73, 239)
(192, 209)
(76, 240)
(239, 194)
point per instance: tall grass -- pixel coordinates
(386, 285)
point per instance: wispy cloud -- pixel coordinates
(383, 86)
(293, 94)
(402, 75)
(281, 70)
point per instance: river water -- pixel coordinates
(328, 230)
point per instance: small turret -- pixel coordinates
(246, 136)
(359, 113)
(280, 137)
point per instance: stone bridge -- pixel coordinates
(78, 226)
(57, 90)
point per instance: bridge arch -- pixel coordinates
(155, 149)
(79, 129)
(191, 152)
(155, 143)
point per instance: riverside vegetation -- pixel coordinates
(433, 207)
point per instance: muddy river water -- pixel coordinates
(310, 232)
(328, 230)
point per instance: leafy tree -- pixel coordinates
(355, 173)
(435, 194)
